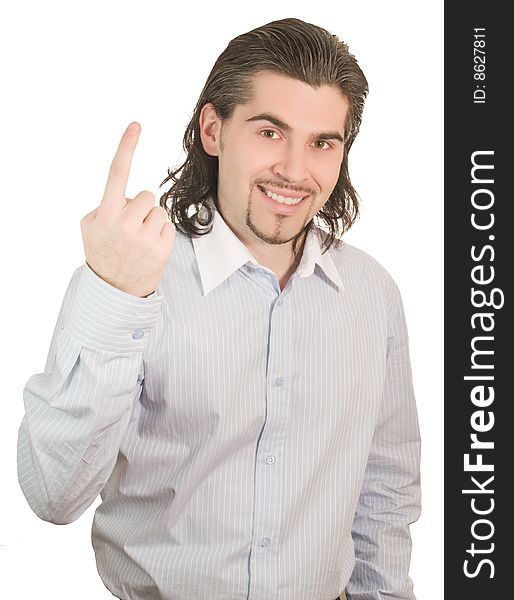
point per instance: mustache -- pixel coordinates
(282, 186)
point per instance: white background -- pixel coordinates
(74, 74)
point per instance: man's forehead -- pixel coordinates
(294, 102)
(260, 81)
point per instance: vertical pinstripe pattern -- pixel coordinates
(248, 443)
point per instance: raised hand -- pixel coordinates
(127, 242)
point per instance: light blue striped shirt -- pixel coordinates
(247, 442)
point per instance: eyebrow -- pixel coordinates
(326, 135)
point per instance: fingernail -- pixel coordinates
(133, 128)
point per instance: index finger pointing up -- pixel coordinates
(120, 166)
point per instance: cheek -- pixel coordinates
(328, 174)
(243, 162)
(255, 159)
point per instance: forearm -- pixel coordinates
(390, 498)
(70, 436)
(387, 506)
(78, 409)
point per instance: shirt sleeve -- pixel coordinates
(77, 411)
(390, 499)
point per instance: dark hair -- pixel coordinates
(289, 47)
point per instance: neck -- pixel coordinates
(279, 258)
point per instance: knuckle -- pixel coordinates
(148, 196)
(159, 211)
(126, 225)
(88, 217)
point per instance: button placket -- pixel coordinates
(269, 467)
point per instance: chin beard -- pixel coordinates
(277, 237)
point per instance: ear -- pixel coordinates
(210, 129)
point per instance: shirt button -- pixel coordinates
(279, 381)
(270, 459)
(280, 302)
(137, 334)
(265, 542)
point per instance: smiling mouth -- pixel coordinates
(288, 200)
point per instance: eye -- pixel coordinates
(269, 133)
(322, 145)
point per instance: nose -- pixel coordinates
(291, 164)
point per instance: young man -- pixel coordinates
(243, 403)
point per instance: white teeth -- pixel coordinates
(282, 199)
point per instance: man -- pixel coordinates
(237, 389)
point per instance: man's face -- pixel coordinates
(279, 158)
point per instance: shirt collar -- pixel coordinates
(312, 256)
(220, 253)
